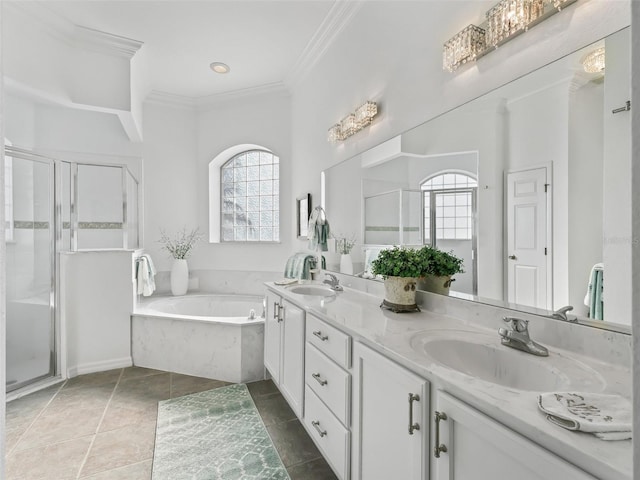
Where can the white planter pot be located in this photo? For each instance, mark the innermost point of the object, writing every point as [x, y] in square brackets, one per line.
[400, 294]
[346, 264]
[179, 276]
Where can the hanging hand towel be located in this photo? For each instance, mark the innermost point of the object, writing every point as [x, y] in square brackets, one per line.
[145, 275]
[319, 230]
[606, 416]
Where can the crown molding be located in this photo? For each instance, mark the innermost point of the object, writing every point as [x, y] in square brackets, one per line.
[208, 102]
[53, 24]
[337, 19]
[166, 99]
[74, 35]
[103, 42]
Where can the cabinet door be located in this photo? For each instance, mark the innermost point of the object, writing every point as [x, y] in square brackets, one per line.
[384, 446]
[272, 339]
[479, 447]
[292, 356]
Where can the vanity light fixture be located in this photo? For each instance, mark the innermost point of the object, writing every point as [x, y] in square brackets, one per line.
[220, 67]
[353, 122]
[594, 61]
[505, 20]
[463, 47]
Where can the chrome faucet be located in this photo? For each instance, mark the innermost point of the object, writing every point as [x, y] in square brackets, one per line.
[517, 336]
[561, 314]
[333, 282]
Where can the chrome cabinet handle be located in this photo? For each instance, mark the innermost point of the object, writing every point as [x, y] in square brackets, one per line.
[322, 337]
[316, 425]
[276, 311]
[318, 379]
[412, 426]
[280, 313]
[440, 447]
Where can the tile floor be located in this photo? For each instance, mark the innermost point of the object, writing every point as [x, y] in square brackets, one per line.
[102, 427]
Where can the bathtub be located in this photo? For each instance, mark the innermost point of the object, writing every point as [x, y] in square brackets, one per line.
[212, 336]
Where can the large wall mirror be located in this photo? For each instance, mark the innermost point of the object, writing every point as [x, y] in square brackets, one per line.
[530, 184]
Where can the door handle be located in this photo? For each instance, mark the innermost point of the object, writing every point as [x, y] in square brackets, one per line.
[440, 447]
[319, 379]
[512, 257]
[413, 426]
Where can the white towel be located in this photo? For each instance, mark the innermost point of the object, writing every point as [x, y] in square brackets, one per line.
[590, 286]
[609, 417]
[145, 275]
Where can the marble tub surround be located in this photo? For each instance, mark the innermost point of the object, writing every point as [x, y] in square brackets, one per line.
[358, 314]
[219, 281]
[225, 351]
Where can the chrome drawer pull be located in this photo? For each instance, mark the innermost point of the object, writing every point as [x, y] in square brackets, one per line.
[440, 447]
[412, 426]
[318, 379]
[316, 425]
[322, 337]
[276, 311]
[280, 313]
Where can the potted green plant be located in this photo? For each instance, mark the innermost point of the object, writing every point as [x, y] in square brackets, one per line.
[401, 267]
[438, 268]
[406, 270]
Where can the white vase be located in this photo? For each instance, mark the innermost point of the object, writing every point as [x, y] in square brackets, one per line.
[346, 264]
[179, 276]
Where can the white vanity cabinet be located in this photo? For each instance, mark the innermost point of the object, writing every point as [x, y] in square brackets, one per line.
[473, 445]
[390, 419]
[328, 393]
[284, 348]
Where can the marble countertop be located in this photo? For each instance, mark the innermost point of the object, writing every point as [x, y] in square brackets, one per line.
[391, 334]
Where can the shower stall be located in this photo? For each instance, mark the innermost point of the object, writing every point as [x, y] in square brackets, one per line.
[54, 206]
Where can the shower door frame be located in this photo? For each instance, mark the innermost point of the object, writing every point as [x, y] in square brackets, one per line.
[54, 218]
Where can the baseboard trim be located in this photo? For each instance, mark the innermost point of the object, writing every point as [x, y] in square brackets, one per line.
[94, 367]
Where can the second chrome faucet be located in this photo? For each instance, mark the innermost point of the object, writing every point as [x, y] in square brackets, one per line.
[517, 336]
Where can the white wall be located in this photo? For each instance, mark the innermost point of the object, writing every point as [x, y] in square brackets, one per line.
[586, 158]
[96, 301]
[3, 283]
[618, 239]
[180, 143]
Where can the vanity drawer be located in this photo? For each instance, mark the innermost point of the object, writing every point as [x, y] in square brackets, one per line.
[330, 382]
[328, 433]
[329, 340]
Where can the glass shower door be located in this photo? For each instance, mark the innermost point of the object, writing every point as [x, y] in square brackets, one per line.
[30, 243]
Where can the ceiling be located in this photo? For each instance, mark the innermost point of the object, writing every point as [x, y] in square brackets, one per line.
[266, 43]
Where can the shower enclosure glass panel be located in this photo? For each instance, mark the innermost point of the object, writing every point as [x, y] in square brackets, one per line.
[393, 218]
[132, 212]
[29, 271]
[100, 207]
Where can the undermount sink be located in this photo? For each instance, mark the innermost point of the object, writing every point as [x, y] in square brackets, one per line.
[312, 290]
[484, 357]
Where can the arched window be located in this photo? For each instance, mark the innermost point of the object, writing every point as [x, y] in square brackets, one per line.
[250, 197]
[449, 207]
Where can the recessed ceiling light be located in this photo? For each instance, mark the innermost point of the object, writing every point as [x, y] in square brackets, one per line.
[220, 67]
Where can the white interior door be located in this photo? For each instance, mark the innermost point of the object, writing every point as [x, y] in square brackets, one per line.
[527, 233]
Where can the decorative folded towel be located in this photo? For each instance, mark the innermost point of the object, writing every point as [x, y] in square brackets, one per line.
[299, 266]
[145, 275]
[606, 416]
[319, 230]
[594, 299]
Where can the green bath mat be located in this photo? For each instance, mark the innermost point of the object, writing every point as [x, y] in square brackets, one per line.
[217, 434]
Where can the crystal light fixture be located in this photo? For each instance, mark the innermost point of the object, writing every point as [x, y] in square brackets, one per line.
[463, 47]
[353, 123]
[511, 16]
[365, 113]
[504, 21]
[335, 134]
[594, 61]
